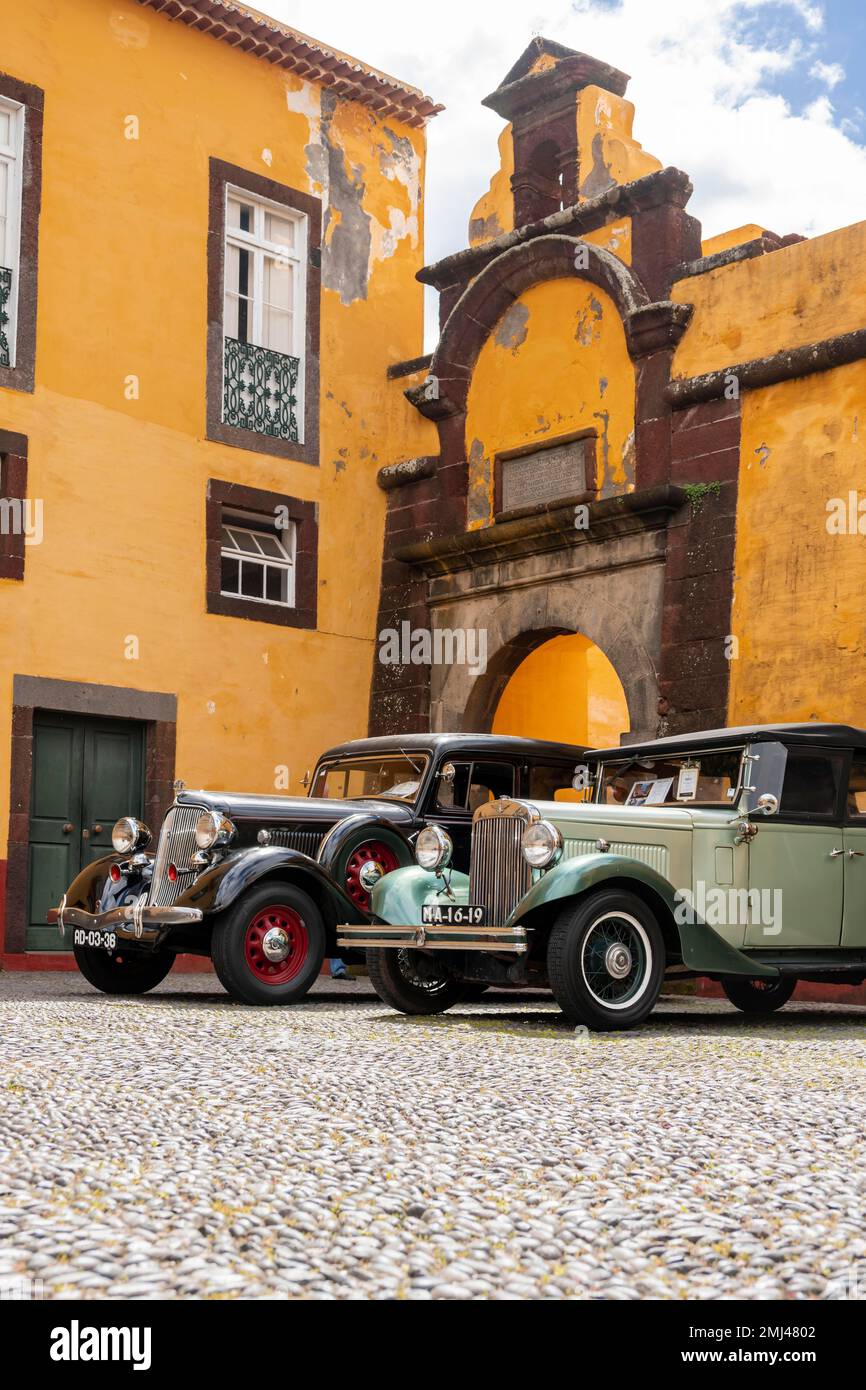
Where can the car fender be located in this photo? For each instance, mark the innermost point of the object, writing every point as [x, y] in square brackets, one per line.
[702, 948]
[220, 887]
[399, 897]
[341, 835]
[94, 883]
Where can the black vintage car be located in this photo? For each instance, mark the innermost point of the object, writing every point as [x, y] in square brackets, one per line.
[259, 883]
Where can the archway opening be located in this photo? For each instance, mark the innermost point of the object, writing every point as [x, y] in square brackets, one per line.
[566, 690]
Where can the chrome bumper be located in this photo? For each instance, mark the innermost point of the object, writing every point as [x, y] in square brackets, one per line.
[502, 939]
[135, 922]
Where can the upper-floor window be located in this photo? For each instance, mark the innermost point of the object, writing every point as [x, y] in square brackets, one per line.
[11, 147]
[264, 290]
[264, 318]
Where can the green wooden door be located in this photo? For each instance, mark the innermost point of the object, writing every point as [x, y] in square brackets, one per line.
[86, 774]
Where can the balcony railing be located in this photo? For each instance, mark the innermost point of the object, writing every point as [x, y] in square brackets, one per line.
[260, 390]
[5, 297]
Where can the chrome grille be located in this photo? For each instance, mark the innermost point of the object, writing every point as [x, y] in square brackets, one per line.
[307, 841]
[498, 873]
[176, 846]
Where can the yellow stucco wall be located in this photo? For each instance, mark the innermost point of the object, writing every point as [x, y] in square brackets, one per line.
[799, 589]
[609, 153]
[556, 364]
[122, 291]
[590, 705]
[737, 236]
[797, 295]
[493, 214]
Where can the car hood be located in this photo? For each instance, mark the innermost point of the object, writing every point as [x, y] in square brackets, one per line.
[292, 810]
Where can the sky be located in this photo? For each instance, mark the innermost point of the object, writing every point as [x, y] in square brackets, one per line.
[761, 102]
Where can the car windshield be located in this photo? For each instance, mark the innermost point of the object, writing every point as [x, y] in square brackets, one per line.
[694, 779]
[395, 778]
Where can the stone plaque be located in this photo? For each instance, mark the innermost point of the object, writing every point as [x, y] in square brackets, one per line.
[547, 475]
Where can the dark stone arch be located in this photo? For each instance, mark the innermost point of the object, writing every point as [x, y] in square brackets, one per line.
[481, 306]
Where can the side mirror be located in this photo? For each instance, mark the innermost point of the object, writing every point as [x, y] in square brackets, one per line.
[767, 805]
[447, 773]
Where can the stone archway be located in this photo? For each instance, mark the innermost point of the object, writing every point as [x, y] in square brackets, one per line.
[618, 610]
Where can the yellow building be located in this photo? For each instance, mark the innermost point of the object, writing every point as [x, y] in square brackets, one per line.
[210, 227]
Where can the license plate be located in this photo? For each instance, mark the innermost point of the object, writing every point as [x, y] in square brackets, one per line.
[452, 915]
[106, 939]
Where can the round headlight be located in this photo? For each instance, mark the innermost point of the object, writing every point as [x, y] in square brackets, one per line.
[213, 829]
[433, 849]
[542, 845]
[129, 835]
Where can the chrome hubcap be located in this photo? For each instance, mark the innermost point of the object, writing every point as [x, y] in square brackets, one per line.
[369, 875]
[276, 945]
[618, 961]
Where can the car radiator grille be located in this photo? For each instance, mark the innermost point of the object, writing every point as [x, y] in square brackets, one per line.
[307, 841]
[176, 846]
[498, 873]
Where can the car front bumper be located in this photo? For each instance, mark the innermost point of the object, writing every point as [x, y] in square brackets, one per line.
[135, 923]
[378, 934]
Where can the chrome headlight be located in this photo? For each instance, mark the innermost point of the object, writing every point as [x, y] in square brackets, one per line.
[433, 849]
[213, 829]
[542, 845]
[129, 835]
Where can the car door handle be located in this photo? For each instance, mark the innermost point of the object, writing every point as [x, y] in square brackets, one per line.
[836, 853]
[856, 853]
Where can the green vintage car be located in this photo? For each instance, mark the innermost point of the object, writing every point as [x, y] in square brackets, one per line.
[735, 854]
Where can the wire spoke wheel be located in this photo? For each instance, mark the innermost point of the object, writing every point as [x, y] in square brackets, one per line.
[423, 973]
[615, 960]
[276, 945]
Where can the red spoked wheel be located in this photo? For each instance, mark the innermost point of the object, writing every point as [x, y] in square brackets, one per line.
[373, 853]
[276, 945]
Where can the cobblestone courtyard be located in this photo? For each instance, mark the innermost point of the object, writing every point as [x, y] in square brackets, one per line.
[182, 1145]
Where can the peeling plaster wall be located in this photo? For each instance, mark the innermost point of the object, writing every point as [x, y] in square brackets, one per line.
[609, 154]
[556, 364]
[369, 176]
[798, 589]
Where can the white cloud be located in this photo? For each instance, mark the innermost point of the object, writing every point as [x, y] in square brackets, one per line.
[705, 77]
[831, 74]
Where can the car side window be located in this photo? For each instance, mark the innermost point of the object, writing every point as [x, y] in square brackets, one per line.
[552, 782]
[857, 787]
[474, 784]
[812, 780]
[451, 795]
[490, 781]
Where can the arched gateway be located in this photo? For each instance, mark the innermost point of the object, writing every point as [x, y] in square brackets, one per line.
[549, 500]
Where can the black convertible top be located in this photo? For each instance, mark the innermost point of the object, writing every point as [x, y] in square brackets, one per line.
[831, 735]
[456, 743]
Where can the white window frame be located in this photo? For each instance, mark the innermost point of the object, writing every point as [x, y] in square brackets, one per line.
[288, 539]
[13, 156]
[256, 243]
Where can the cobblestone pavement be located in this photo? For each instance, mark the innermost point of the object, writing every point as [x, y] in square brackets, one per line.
[182, 1145]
